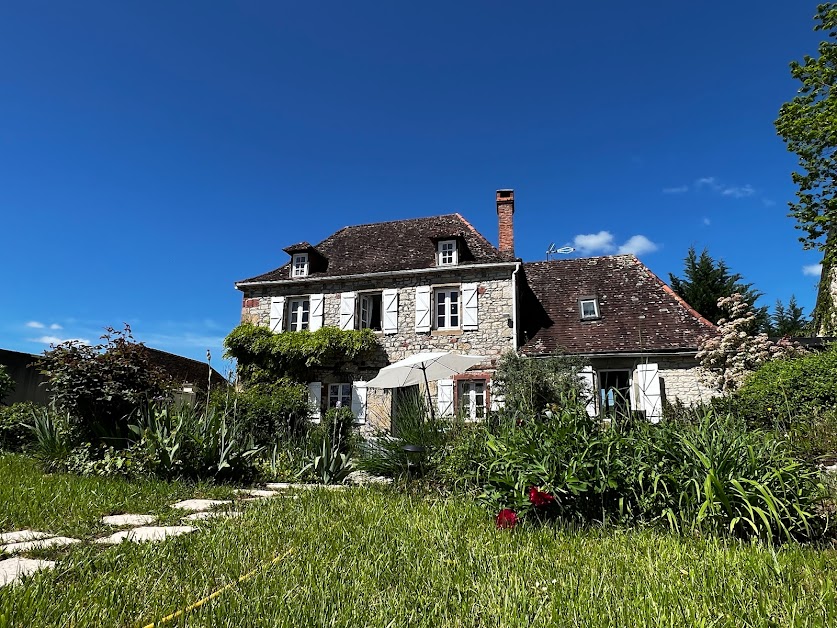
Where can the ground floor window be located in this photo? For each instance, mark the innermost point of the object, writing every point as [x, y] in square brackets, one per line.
[614, 392]
[339, 396]
[471, 396]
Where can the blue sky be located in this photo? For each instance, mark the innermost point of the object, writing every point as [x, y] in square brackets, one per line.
[153, 153]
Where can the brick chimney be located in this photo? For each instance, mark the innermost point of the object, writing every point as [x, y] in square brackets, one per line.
[505, 218]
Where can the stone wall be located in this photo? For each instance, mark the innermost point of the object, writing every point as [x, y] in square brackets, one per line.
[494, 337]
[681, 375]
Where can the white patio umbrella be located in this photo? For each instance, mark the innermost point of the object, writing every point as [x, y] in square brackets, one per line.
[423, 367]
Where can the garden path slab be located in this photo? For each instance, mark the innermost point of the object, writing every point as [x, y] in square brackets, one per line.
[256, 492]
[210, 514]
[128, 520]
[22, 535]
[281, 486]
[200, 504]
[146, 534]
[12, 569]
[25, 546]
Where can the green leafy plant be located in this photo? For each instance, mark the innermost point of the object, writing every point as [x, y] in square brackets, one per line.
[7, 384]
[52, 443]
[263, 356]
[330, 466]
[15, 434]
[101, 386]
[529, 385]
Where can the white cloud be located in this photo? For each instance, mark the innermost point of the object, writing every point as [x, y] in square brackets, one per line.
[736, 191]
[638, 245]
[812, 270]
[681, 189]
[601, 242]
[55, 326]
[706, 221]
[55, 340]
[35, 325]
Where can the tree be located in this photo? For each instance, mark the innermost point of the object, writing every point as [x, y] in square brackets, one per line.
[706, 281]
[7, 384]
[808, 125]
[790, 320]
[735, 351]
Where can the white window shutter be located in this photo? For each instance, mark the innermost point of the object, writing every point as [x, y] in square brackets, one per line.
[315, 320]
[390, 307]
[315, 398]
[277, 314]
[359, 400]
[648, 391]
[588, 379]
[469, 306]
[347, 310]
[422, 308]
[444, 396]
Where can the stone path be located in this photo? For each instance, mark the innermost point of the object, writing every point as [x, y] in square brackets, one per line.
[16, 567]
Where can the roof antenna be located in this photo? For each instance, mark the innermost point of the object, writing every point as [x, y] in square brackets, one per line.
[553, 251]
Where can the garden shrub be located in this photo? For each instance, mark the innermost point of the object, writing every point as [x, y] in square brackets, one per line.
[711, 475]
[7, 384]
[15, 435]
[783, 391]
[528, 385]
[101, 386]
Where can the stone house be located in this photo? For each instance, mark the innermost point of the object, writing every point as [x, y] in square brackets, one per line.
[436, 283]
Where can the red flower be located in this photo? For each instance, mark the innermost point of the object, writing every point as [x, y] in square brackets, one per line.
[540, 498]
[506, 519]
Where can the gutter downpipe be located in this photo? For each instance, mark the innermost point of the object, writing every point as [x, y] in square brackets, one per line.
[514, 305]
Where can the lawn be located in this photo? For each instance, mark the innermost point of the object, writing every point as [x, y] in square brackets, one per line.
[374, 557]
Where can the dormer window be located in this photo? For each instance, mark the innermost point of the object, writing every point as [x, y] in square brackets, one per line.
[448, 255]
[300, 265]
[589, 307]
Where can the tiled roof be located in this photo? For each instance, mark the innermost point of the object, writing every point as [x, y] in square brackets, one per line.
[638, 311]
[392, 246]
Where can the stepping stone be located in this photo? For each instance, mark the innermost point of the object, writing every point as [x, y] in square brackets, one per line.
[12, 569]
[128, 520]
[25, 546]
[200, 504]
[22, 535]
[210, 514]
[256, 492]
[146, 533]
[281, 486]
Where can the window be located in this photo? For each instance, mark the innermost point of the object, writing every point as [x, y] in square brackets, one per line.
[300, 265]
[589, 308]
[339, 396]
[614, 393]
[448, 254]
[370, 311]
[472, 399]
[299, 311]
[447, 308]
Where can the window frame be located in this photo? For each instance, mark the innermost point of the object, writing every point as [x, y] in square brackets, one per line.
[595, 302]
[340, 396]
[442, 252]
[299, 265]
[466, 391]
[448, 313]
[304, 307]
[362, 297]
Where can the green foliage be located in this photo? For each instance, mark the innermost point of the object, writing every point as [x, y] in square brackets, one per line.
[713, 476]
[52, 440]
[263, 356]
[529, 385]
[7, 384]
[268, 411]
[184, 441]
[15, 435]
[330, 465]
[789, 321]
[101, 386]
[706, 280]
[780, 391]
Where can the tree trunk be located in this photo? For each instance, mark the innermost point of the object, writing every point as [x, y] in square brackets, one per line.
[825, 312]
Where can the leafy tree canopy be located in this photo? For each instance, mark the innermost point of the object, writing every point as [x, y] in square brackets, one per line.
[789, 321]
[706, 280]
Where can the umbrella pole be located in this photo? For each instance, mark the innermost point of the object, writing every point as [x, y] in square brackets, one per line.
[429, 398]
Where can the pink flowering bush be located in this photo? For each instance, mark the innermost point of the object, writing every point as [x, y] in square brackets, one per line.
[735, 352]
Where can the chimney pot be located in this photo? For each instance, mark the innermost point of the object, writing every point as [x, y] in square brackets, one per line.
[505, 220]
